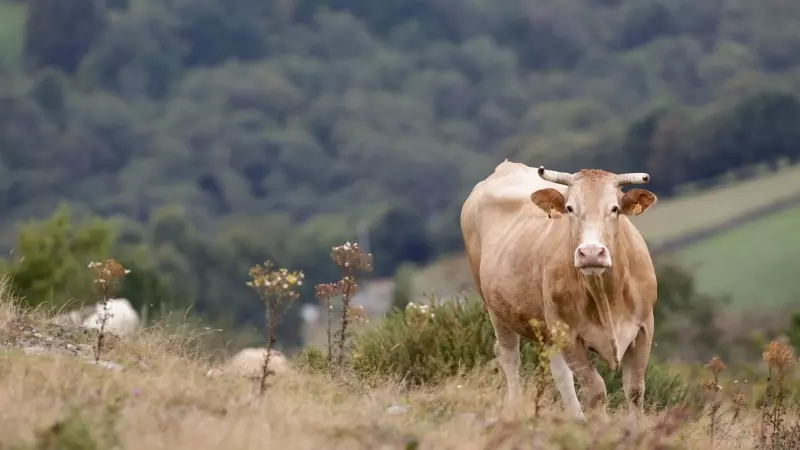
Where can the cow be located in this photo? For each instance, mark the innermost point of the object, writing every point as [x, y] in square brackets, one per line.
[560, 248]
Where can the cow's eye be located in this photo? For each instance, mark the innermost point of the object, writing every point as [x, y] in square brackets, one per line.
[569, 209]
[614, 209]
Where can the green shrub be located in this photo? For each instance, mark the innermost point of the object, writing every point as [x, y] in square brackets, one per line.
[311, 359]
[51, 255]
[401, 296]
[426, 344]
[49, 264]
[663, 388]
[72, 433]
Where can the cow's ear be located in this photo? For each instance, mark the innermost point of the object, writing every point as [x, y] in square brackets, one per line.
[550, 201]
[636, 201]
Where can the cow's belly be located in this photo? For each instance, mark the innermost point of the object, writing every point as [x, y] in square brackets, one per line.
[515, 309]
[625, 331]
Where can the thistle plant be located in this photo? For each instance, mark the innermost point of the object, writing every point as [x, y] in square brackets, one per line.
[278, 290]
[349, 258]
[108, 275]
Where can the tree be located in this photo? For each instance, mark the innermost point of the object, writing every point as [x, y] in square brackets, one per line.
[51, 256]
[403, 286]
[400, 236]
[793, 331]
[60, 32]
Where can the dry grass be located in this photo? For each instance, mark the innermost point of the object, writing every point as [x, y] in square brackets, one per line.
[9, 310]
[161, 399]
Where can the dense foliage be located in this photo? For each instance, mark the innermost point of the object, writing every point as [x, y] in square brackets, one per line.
[282, 127]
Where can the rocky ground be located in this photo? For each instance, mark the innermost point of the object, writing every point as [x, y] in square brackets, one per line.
[38, 337]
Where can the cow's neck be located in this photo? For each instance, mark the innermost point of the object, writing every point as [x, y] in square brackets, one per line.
[605, 291]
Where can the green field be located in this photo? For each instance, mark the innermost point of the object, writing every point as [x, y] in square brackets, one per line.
[760, 256]
[12, 24]
[695, 212]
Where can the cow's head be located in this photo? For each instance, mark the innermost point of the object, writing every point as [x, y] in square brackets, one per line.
[592, 204]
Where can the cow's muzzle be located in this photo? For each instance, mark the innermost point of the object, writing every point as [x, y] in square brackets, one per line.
[592, 258]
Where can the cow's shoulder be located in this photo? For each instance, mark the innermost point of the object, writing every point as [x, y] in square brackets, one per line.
[640, 267]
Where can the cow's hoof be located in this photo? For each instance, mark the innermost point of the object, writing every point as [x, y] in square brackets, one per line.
[580, 420]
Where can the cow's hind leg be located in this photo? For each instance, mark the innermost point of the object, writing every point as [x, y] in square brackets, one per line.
[506, 349]
[634, 367]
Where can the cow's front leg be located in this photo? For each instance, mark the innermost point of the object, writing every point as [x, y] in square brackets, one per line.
[506, 349]
[634, 367]
[591, 383]
[565, 383]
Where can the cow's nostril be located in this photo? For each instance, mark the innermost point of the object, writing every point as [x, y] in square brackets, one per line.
[601, 252]
[580, 253]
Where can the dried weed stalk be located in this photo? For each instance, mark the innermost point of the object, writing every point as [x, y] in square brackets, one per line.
[108, 275]
[349, 258]
[325, 293]
[712, 386]
[548, 343]
[659, 437]
[278, 290]
[780, 360]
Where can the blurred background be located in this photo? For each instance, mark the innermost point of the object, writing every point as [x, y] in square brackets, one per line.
[191, 139]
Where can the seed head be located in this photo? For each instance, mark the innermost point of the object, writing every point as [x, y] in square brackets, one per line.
[108, 273]
[357, 315]
[326, 291]
[280, 283]
[710, 386]
[716, 365]
[778, 355]
[350, 256]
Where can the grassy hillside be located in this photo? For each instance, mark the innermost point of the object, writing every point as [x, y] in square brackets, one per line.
[756, 263]
[729, 260]
[151, 392]
[692, 213]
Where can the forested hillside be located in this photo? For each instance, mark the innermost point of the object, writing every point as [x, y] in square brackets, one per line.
[220, 133]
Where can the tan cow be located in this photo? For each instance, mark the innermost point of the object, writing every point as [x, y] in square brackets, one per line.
[555, 246]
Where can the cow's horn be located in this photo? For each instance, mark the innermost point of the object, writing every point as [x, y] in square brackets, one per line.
[555, 177]
[624, 179]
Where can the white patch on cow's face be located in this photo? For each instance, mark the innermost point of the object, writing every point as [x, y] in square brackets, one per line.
[593, 209]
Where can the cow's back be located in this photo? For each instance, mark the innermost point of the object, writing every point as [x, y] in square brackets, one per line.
[495, 201]
[502, 227]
